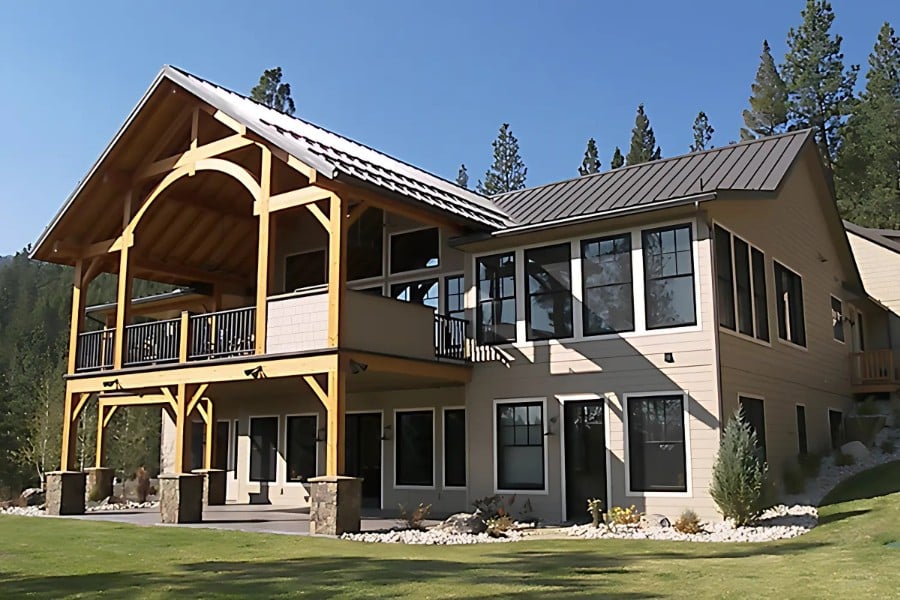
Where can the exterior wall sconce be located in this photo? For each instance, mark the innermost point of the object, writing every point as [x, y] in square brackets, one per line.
[321, 434]
[256, 372]
[550, 424]
[386, 433]
[669, 357]
[357, 367]
[112, 383]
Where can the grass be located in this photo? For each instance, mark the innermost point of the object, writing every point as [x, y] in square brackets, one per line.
[843, 557]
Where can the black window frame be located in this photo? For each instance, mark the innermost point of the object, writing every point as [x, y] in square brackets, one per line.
[254, 474]
[802, 439]
[750, 418]
[455, 475]
[587, 256]
[789, 291]
[638, 478]
[457, 298]
[559, 292]
[492, 302]
[651, 279]
[501, 483]
[305, 285]
[760, 293]
[372, 250]
[431, 282]
[837, 320]
[743, 288]
[402, 478]
[725, 278]
[741, 292]
[309, 441]
[396, 253]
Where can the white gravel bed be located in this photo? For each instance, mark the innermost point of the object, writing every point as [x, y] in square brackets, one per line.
[24, 511]
[428, 537]
[40, 511]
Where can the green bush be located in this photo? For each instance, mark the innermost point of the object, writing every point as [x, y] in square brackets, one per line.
[794, 479]
[843, 460]
[688, 522]
[888, 446]
[738, 476]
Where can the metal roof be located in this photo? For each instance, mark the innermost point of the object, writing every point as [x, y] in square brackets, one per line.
[754, 166]
[886, 238]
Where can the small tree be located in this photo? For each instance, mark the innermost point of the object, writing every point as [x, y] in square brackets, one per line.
[274, 94]
[703, 133]
[738, 475]
[462, 177]
[507, 172]
[591, 162]
[617, 159]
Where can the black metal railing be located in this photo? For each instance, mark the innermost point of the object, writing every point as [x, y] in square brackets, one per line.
[222, 334]
[450, 337]
[152, 343]
[95, 350]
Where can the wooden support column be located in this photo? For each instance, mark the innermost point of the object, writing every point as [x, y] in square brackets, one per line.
[101, 441]
[210, 449]
[67, 458]
[262, 252]
[78, 304]
[182, 429]
[183, 340]
[123, 295]
[337, 268]
[336, 420]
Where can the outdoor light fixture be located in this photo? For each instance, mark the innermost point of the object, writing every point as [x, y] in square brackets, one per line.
[386, 434]
[549, 432]
[669, 357]
[357, 367]
[256, 372]
[111, 383]
[320, 434]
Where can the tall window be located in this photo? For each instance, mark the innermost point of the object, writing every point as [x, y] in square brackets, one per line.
[415, 448]
[415, 250]
[455, 447]
[548, 306]
[263, 448]
[741, 288]
[802, 447]
[725, 278]
[220, 460]
[419, 292]
[496, 313]
[520, 446]
[608, 305]
[305, 269]
[454, 297]
[760, 298]
[365, 243]
[789, 294]
[755, 416]
[669, 277]
[301, 447]
[837, 318]
[656, 453]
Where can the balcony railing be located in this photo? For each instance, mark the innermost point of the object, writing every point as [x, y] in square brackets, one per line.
[222, 334]
[450, 339]
[873, 366]
[95, 350]
[156, 342]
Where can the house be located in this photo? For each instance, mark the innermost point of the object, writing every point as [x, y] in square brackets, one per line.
[343, 312]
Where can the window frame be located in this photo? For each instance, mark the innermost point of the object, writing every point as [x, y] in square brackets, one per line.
[381, 275]
[276, 469]
[688, 462]
[802, 449]
[389, 273]
[496, 446]
[843, 318]
[287, 290]
[286, 461]
[689, 225]
[396, 448]
[444, 411]
[755, 309]
[528, 294]
[580, 244]
[842, 428]
[515, 297]
[765, 442]
[779, 303]
[445, 294]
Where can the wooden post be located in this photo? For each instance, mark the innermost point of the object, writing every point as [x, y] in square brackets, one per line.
[67, 458]
[262, 252]
[123, 306]
[337, 417]
[101, 442]
[78, 301]
[183, 341]
[337, 267]
[182, 430]
[210, 449]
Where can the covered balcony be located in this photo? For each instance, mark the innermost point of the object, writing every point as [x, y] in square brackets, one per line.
[874, 371]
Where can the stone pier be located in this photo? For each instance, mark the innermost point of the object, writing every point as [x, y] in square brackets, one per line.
[334, 505]
[181, 498]
[99, 483]
[214, 482]
[65, 492]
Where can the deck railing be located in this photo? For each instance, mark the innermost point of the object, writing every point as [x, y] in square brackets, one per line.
[152, 343]
[222, 334]
[873, 366]
[450, 339]
[95, 350]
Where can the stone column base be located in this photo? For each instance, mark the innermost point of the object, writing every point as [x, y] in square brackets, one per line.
[65, 492]
[181, 497]
[334, 505]
[214, 481]
[99, 483]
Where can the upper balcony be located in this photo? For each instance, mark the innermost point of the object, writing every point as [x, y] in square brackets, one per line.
[874, 371]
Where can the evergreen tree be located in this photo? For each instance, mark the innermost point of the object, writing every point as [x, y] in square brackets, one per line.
[271, 92]
[507, 171]
[820, 89]
[591, 162]
[738, 475]
[702, 133]
[617, 159]
[767, 114]
[462, 177]
[643, 141]
[868, 167]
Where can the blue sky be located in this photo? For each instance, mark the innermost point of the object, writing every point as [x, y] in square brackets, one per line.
[428, 82]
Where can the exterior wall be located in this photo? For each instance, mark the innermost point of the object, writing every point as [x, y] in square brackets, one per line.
[297, 322]
[880, 270]
[389, 326]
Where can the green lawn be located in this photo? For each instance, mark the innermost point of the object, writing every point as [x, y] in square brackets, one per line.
[843, 558]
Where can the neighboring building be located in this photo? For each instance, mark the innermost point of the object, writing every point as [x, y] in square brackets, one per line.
[586, 338]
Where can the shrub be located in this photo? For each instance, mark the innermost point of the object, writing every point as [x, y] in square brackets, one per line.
[738, 475]
[868, 407]
[595, 509]
[794, 479]
[95, 495]
[143, 484]
[624, 516]
[413, 519]
[688, 522]
[810, 464]
[498, 526]
[888, 446]
[843, 460]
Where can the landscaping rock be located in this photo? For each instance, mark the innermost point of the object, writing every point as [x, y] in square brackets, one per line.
[431, 537]
[654, 520]
[856, 449]
[33, 496]
[462, 523]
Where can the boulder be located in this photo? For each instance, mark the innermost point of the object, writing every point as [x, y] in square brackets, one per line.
[855, 449]
[33, 496]
[463, 523]
[653, 520]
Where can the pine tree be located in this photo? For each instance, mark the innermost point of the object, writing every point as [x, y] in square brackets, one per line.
[868, 167]
[274, 94]
[703, 132]
[617, 159]
[462, 177]
[507, 172]
[767, 114]
[591, 162]
[738, 474]
[820, 90]
[643, 141]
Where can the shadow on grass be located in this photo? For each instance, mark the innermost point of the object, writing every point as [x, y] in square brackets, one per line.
[840, 516]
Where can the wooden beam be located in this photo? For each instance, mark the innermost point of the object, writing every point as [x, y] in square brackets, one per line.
[166, 138]
[317, 390]
[356, 212]
[188, 273]
[320, 216]
[109, 414]
[67, 455]
[336, 420]
[262, 250]
[292, 161]
[94, 269]
[196, 396]
[455, 373]
[210, 449]
[183, 339]
[182, 430]
[173, 401]
[163, 398]
[100, 450]
[190, 157]
[79, 405]
[337, 268]
[77, 317]
[300, 197]
[123, 305]
[77, 250]
[225, 119]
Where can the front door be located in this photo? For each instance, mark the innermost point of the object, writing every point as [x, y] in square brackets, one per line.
[585, 461]
[362, 454]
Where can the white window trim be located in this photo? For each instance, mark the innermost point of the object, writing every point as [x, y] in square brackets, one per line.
[563, 398]
[544, 421]
[688, 467]
[417, 273]
[751, 247]
[779, 301]
[397, 412]
[380, 413]
[284, 262]
[444, 410]
[277, 480]
[287, 482]
[843, 342]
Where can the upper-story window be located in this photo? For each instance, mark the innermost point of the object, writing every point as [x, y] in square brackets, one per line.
[454, 297]
[419, 292]
[741, 278]
[789, 295]
[496, 311]
[305, 269]
[608, 305]
[365, 244]
[415, 250]
[669, 277]
[837, 318]
[548, 307]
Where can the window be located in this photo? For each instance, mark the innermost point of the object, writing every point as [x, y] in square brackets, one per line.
[419, 292]
[454, 297]
[236, 437]
[301, 447]
[789, 293]
[415, 250]
[548, 306]
[365, 243]
[755, 416]
[861, 331]
[760, 298]
[836, 428]
[455, 447]
[306, 269]
[520, 446]
[220, 460]
[802, 447]
[837, 318]
[263, 448]
[669, 277]
[725, 278]
[741, 289]
[496, 311]
[608, 306]
[743, 292]
[656, 453]
[415, 448]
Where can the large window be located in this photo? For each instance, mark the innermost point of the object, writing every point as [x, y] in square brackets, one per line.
[415, 448]
[305, 269]
[656, 452]
[789, 295]
[220, 460]
[415, 250]
[725, 278]
[301, 447]
[548, 306]
[365, 243]
[669, 277]
[760, 297]
[608, 306]
[802, 446]
[754, 413]
[263, 448]
[419, 292]
[454, 297]
[837, 318]
[520, 446]
[741, 289]
[496, 313]
[455, 447]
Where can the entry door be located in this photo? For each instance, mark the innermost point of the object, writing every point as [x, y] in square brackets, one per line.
[362, 454]
[585, 462]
